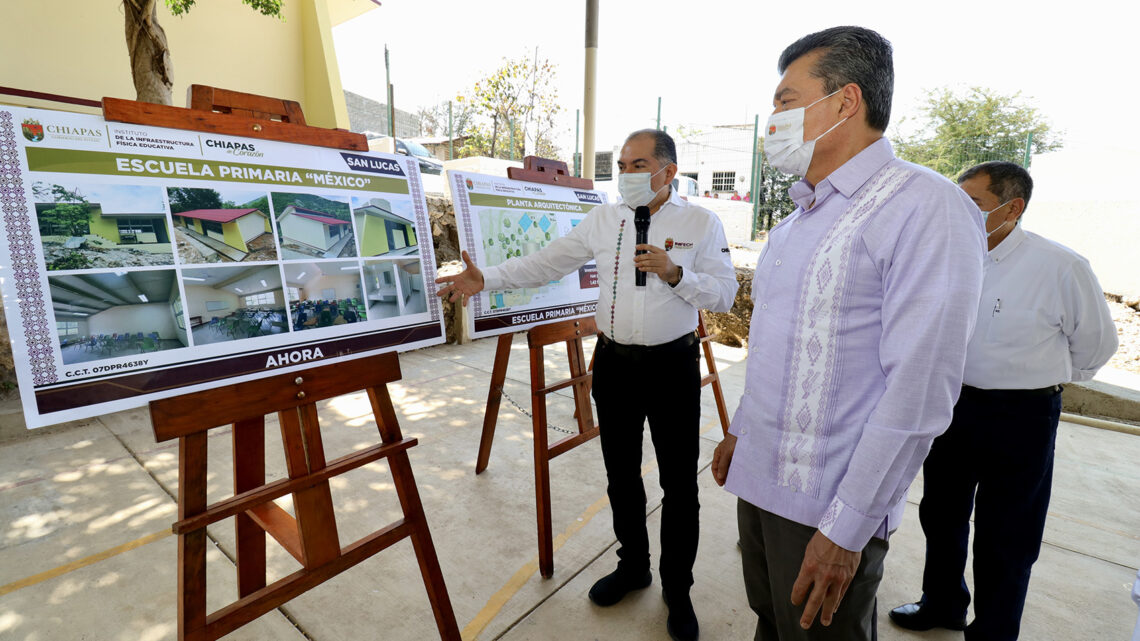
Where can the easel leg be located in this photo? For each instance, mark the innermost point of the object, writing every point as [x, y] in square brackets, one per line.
[541, 464]
[316, 521]
[249, 473]
[494, 396]
[582, 411]
[714, 376]
[409, 495]
[590, 368]
[192, 545]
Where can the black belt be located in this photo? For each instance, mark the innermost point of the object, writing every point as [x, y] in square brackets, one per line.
[1012, 393]
[684, 341]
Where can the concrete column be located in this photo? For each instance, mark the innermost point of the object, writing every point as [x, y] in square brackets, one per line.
[589, 96]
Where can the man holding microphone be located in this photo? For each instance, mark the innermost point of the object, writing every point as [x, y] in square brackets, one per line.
[647, 356]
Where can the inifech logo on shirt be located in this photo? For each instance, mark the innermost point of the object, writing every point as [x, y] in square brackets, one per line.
[668, 244]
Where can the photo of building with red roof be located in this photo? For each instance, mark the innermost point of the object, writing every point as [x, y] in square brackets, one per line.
[307, 233]
[209, 227]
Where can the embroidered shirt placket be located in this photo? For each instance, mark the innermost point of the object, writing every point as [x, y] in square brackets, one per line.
[809, 394]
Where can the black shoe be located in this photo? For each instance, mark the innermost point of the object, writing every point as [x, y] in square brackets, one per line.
[613, 587]
[919, 616]
[682, 622]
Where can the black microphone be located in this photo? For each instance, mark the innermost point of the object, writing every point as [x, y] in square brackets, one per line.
[641, 222]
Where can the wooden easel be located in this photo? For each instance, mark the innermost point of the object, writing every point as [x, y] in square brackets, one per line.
[571, 332]
[310, 537]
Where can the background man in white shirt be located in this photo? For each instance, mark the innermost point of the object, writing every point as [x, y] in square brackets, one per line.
[646, 360]
[1042, 321]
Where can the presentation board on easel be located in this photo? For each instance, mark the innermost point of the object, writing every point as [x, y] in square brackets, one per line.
[500, 218]
[139, 262]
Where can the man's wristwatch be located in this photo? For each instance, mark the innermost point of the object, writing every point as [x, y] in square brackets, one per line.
[680, 273]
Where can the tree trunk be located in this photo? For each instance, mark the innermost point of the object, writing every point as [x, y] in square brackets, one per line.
[150, 57]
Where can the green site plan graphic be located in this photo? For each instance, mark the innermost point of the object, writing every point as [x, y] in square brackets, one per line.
[510, 233]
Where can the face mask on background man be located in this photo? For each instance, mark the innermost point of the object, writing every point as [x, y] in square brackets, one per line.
[785, 146]
[986, 218]
[635, 189]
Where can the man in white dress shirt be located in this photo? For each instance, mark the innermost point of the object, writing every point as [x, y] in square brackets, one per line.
[1042, 322]
[646, 360]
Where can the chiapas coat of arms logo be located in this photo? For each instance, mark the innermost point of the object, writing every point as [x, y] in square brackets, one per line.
[33, 130]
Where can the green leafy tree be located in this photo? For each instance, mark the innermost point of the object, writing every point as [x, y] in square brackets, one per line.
[151, 68]
[74, 217]
[433, 119]
[519, 94]
[956, 132]
[189, 198]
[772, 200]
[71, 212]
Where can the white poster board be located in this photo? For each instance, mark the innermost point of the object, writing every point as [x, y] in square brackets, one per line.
[140, 262]
[498, 219]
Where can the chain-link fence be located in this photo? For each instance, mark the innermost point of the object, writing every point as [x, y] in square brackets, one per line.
[953, 157]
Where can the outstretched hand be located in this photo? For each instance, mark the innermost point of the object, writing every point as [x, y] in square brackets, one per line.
[463, 285]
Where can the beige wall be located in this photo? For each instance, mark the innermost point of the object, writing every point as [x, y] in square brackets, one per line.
[346, 286]
[131, 319]
[196, 297]
[224, 44]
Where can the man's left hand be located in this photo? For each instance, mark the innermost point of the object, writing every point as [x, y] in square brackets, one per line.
[827, 571]
[656, 261]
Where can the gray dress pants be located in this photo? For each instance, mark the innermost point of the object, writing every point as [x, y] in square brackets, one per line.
[773, 550]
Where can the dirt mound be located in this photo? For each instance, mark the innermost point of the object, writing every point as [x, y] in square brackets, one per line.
[731, 327]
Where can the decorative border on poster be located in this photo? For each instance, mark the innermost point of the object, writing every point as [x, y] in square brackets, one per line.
[423, 230]
[460, 196]
[21, 248]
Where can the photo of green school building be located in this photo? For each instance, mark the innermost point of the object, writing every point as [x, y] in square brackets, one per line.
[384, 230]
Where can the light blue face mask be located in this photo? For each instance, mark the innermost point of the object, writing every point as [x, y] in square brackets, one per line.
[986, 217]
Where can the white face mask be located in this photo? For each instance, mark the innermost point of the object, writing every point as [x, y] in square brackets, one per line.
[785, 146]
[986, 218]
[635, 189]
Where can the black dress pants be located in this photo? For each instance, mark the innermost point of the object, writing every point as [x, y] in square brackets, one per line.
[996, 459]
[662, 384]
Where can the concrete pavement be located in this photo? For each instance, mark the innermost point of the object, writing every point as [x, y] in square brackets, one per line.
[86, 553]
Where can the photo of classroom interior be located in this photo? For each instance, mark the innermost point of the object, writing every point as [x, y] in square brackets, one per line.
[395, 288]
[108, 315]
[234, 303]
[324, 294]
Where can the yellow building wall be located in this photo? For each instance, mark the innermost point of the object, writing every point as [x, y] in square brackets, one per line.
[373, 240]
[106, 227]
[231, 233]
[198, 226]
[224, 44]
